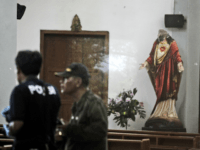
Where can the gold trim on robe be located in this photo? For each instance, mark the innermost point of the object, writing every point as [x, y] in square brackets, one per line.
[159, 56]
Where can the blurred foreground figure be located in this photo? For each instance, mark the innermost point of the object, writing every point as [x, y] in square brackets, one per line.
[34, 106]
[87, 129]
[164, 66]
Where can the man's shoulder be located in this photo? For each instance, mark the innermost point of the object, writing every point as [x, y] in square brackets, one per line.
[93, 98]
[21, 90]
[20, 87]
[28, 85]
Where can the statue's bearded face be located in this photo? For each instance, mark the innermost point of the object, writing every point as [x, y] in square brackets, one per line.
[163, 45]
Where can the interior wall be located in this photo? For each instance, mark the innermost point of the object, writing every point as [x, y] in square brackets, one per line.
[133, 27]
[189, 37]
[8, 31]
[192, 97]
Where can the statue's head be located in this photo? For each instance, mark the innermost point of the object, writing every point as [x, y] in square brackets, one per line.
[162, 35]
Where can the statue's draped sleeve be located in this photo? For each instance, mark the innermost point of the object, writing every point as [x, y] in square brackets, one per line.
[174, 49]
[151, 55]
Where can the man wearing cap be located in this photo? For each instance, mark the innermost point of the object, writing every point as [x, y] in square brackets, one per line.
[165, 66]
[87, 129]
[34, 106]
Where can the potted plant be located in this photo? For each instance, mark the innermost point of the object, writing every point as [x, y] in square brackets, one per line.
[125, 107]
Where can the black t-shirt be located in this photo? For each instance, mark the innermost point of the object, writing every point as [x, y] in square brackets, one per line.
[36, 104]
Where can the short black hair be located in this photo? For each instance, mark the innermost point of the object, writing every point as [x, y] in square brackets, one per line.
[29, 62]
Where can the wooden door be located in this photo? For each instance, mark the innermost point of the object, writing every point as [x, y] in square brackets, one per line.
[60, 48]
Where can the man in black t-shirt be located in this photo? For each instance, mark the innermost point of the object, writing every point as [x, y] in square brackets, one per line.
[34, 105]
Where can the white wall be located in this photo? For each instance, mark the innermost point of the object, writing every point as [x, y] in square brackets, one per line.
[133, 26]
[8, 30]
[189, 37]
[192, 82]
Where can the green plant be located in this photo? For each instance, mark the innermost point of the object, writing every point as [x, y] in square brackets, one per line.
[124, 107]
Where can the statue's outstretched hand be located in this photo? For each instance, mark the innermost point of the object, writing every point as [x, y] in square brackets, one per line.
[143, 65]
[180, 67]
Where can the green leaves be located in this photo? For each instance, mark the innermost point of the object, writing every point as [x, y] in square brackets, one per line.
[124, 107]
[133, 117]
[134, 91]
[120, 94]
[134, 103]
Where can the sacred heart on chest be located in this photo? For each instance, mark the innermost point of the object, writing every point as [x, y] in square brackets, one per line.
[162, 49]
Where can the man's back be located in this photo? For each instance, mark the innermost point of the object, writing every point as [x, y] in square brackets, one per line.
[36, 104]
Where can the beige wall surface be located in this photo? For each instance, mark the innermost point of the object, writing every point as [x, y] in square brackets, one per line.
[8, 35]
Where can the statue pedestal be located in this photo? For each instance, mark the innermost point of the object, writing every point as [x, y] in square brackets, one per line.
[164, 124]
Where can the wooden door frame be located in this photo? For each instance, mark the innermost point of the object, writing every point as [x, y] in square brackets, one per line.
[67, 32]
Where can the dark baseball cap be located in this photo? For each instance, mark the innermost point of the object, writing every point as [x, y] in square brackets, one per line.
[75, 69]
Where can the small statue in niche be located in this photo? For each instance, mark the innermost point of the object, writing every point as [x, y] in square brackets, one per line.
[76, 24]
[164, 66]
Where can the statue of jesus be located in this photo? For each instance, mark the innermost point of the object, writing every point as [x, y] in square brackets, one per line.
[164, 66]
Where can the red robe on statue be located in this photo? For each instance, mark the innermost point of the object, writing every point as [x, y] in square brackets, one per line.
[164, 72]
